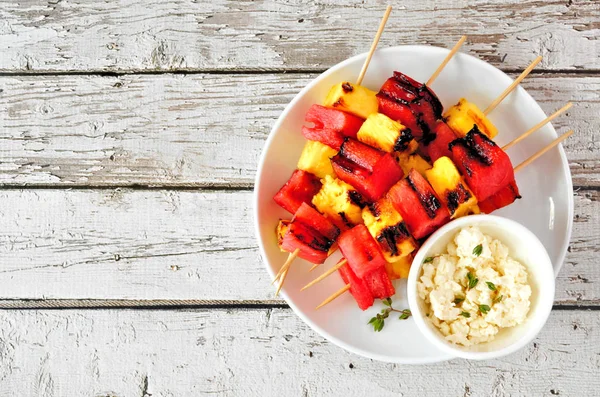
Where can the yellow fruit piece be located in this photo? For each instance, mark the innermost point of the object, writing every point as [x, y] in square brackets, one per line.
[452, 189]
[388, 135]
[335, 201]
[282, 228]
[462, 116]
[352, 98]
[386, 226]
[316, 159]
[400, 268]
[408, 162]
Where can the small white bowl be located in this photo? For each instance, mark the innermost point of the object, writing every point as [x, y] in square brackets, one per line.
[523, 246]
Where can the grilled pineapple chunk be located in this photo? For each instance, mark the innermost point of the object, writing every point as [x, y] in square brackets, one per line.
[316, 159]
[452, 189]
[339, 202]
[385, 134]
[462, 116]
[386, 226]
[408, 162]
[352, 98]
[400, 268]
[282, 228]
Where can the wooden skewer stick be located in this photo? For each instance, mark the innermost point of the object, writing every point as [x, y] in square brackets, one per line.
[538, 126]
[512, 86]
[324, 275]
[283, 276]
[544, 150]
[363, 71]
[333, 296]
[287, 264]
[446, 60]
[314, 267]
[359, 80]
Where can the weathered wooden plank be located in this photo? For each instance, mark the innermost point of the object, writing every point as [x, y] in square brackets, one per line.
[195, 130]
[229, 35]
[264, 352]
[179, 245]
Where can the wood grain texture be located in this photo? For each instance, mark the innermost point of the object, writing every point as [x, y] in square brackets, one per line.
[179, 245]
[264, 352]
[43, 36]
[196, 130]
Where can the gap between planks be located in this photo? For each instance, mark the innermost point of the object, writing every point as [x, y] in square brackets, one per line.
[255, 71]
[192, 304]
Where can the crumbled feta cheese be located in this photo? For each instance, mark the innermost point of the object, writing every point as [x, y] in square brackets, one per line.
[457, 310]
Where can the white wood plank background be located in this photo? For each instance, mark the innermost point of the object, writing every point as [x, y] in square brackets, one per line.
[180, 130]
[286, 35]
[260, 352]
[125, 179]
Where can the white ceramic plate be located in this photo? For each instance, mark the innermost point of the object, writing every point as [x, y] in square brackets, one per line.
[546, 207]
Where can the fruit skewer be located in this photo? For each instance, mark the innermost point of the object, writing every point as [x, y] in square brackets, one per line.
[281, 275]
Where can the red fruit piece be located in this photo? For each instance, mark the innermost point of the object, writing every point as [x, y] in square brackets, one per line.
[421, 209]
[330, 126]
[361, 154]
[435, 145]
[505, 196]
[313, 246]
[358, 288]
[315, 220]
[424, 92]
[401, 113]
[361, 251]
[370, 171]
[484, 165]
[380, 284]
[300, 188]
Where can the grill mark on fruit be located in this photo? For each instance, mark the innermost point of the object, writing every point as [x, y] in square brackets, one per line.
[357, 198]
[342, 162]
[457, 197]
[391, 236]
[337, 103]
[475, 149]
[429, 202]
[345, 219]
[403, 140]
[374, 209]
[347, 87]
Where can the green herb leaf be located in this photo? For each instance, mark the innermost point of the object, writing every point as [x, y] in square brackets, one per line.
[465, 314]
[491, 285]
[484, 308]
[387, 302]
[372, 320]
[472, 280]
[406, 313]
[458, 301]
[428, 259]
[477, 250]
[498, 298]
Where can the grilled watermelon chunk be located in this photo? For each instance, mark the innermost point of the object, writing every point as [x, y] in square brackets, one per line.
[300, 188]
[435, 145]
[313, 246]
[361, 251]
[330, 126]
[484, 165]
[358, 287]
[419, 206]
[379, 283]
[314, 219]
[400, 112]
[370, 171]
[505, 196]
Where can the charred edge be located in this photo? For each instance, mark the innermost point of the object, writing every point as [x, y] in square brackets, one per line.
[457, 197]
[374, 209]
[515, 190]
[317, 244]
[429, 202]
[347, 87]
[338, 103]
[343, 147]
[345, 219]
[433, 100]
[423, 125]
[475, 149]
[342, 162]
[403, 140]
[392, 235]
[357, 198]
